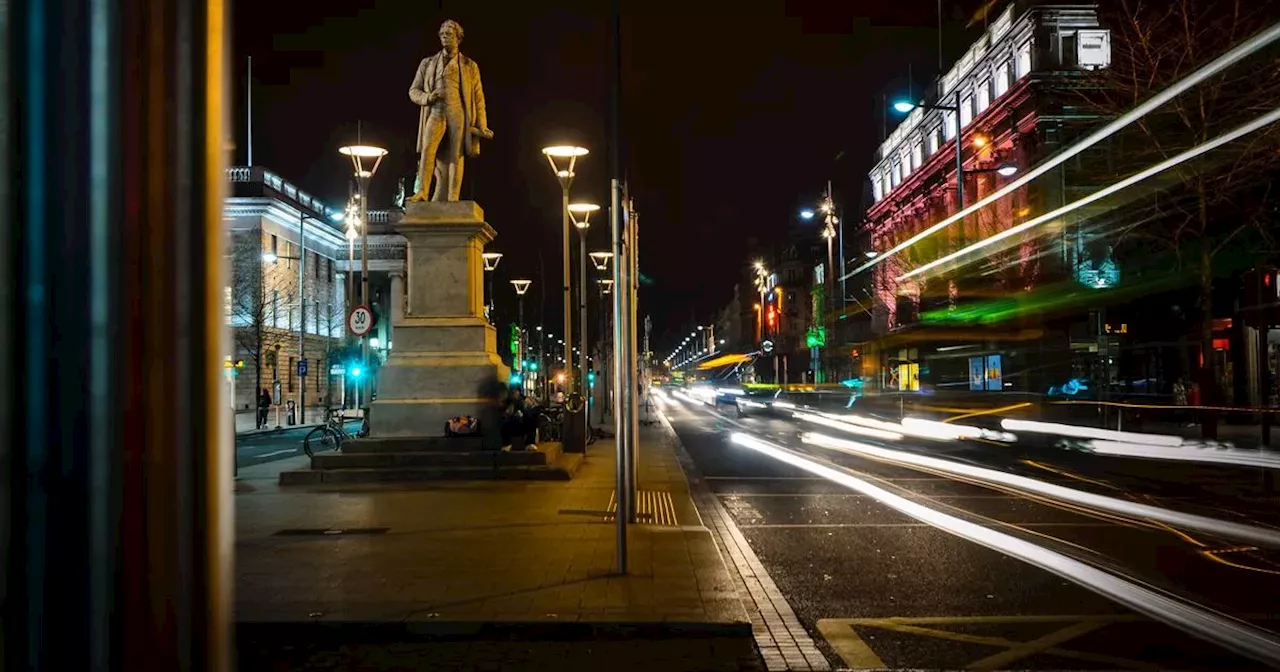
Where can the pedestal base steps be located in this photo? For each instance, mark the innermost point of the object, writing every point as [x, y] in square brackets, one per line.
[408, 459]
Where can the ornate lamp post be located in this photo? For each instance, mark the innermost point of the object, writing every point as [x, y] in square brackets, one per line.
[580, 213]
[365, 160]
[563, 158]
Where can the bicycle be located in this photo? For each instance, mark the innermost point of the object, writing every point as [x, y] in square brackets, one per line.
[320, 438]
[549, 423]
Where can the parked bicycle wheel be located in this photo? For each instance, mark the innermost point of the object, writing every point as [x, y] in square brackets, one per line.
[320, 439]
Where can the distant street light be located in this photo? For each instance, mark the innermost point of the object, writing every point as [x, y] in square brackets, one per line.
[806, 214]
[581, 213]
[490, 261]
[601, 260]
[521, 286]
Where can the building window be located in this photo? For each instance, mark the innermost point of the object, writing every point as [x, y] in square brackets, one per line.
[906, 162]
[917, 153]
[966, 110]
[877, 190]
[290, 374]
[317, 318]
[949, 124]
[933, 140]
[984, 95]
[316, 259]
[329, 266]
[275, 244]
[1024, 59]
[897, 174]
[1002, 79]
[886, 186]
[275, 308]
[289, 310]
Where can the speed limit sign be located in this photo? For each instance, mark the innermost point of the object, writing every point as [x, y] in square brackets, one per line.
[360, 320]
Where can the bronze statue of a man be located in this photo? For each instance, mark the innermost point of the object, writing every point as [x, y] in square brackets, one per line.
[447, 87]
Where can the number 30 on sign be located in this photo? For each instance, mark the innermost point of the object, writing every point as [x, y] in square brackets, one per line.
[360, 320]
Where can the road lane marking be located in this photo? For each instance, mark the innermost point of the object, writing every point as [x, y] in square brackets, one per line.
[278, 452]
[853, 495]
[857, 654]
[1243, 637]
[827, 525]
[848, 645]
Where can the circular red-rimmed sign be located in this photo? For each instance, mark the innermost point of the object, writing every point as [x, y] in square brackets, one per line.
[360, 320]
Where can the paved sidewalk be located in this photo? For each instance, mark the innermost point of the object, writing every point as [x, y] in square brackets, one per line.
[245, 420]
[436, 575]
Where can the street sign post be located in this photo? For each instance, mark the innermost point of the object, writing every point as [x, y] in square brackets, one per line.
[360, 320]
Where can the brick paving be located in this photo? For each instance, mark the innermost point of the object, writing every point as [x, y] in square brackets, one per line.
[782, 640]
[458, 559]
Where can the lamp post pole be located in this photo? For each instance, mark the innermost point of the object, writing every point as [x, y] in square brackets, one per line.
[358, 154]
[570, 155]
[567, 291]
[302, 315]
[364, 289]
[521, 286]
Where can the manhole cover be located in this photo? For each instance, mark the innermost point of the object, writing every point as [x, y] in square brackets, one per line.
[331, 531]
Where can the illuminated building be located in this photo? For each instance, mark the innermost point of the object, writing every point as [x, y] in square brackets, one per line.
[1007, 95]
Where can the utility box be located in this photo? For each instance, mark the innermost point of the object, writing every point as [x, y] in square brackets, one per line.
[573, 431]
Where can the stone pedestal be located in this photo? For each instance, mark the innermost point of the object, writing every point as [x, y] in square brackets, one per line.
[445, 361]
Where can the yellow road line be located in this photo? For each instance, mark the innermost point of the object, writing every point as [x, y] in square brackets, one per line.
[989, 411]
[848, 645]
[1037, 645]
[855, 652]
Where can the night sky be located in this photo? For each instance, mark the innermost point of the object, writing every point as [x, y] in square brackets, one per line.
[732, 116]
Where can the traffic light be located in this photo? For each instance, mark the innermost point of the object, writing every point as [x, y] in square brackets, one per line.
[533, 366]
[516, 379]
[591, 378]
[355, 371]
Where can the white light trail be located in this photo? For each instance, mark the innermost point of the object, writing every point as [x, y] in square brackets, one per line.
[1264, 120]
[1080, 432]
[851, 428]
[1253, 534]
[1243, 637]
[1190, 453]
[1210, 69]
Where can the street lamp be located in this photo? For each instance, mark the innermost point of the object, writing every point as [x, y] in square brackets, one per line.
[365, 160]
[490, 260]
[521, 286]
[601, 260]
[580, 213]
[563, 159]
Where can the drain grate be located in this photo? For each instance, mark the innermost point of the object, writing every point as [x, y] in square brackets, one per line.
[654, 507]
[331, 531]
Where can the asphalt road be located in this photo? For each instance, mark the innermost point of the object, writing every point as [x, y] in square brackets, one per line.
[877, 587]
[267, 446]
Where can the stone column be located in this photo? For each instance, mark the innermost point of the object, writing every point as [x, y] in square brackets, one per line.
[445, 360]
[397, 303]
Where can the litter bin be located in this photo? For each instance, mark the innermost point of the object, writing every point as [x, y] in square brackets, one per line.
[573, 430]
[291, 413]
